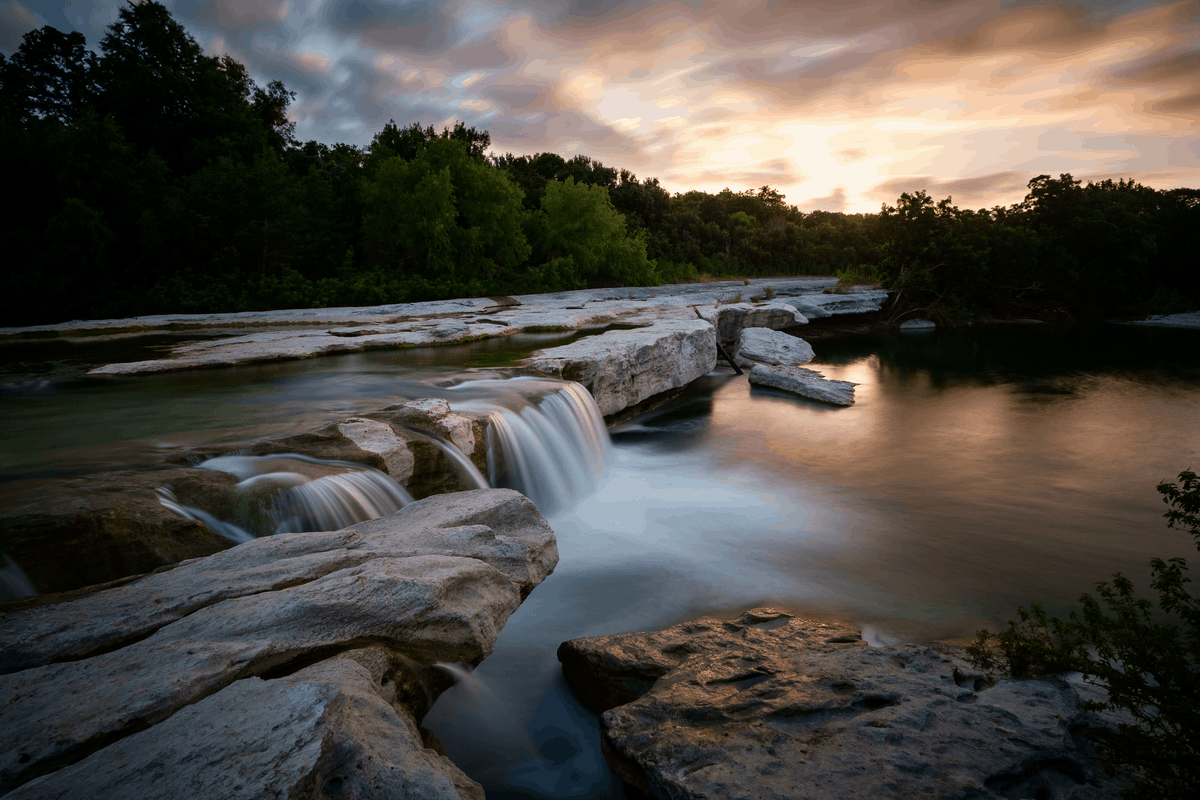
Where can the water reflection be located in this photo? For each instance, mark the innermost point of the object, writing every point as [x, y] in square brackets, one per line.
[966, 480]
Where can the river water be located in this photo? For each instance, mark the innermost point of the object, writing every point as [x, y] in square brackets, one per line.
[978, 470]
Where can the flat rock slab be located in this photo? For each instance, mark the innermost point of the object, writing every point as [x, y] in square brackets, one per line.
[621, 368]
[340, 738]
[804, 382]
[769, 706]
[765, 346]
[435, 582]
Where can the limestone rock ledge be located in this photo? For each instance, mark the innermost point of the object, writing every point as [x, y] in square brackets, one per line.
[293, 665]
[773, 707]
[622, 368]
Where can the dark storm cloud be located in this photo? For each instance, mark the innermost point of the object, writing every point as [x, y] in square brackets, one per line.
[234, 14]
[411, 24]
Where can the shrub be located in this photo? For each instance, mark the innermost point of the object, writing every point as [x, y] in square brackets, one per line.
[1145, 654]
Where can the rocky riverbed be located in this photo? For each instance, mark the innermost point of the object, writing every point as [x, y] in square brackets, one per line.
[293, 665]
[658, 344]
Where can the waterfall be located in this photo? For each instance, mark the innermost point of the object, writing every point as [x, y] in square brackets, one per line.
[546, 439]
[291, 493]
[467, 471]
[13, 581]
[227, 529]
[333, 502]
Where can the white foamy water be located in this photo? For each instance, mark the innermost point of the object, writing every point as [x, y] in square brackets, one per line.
[552, 448]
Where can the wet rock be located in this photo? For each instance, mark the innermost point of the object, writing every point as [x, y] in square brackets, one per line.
[344, 739]
[917, 325]
[400, 450]
[770, 706]
[804, 382]
[468, 432]
[622, 368]
[74, 532]
[730, 320]
[420, 585]
[499, 527]
[766, 346]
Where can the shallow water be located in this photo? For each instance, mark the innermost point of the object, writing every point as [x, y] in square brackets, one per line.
[978, 471]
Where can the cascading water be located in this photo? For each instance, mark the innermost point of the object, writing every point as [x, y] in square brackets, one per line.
[546, 439]
[227, 529]
[332, 502]
[291, 493]
[14, 582]
[551, 449]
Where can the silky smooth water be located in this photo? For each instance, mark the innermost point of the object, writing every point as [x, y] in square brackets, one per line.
[977, 471]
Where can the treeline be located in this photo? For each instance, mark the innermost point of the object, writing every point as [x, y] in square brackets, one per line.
[151, 178]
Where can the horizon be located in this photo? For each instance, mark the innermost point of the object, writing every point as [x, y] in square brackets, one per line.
[838, 106]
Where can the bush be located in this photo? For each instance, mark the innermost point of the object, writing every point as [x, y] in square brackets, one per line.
[1145, 654]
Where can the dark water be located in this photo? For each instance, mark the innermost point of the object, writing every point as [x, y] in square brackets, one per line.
[57, 421]
[978, 471]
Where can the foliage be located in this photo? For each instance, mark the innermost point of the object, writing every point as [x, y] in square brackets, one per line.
[1144, 653]
[153, 178]
[583, 239]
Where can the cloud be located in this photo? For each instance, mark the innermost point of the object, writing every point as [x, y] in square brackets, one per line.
[869, 97]
[16, 20]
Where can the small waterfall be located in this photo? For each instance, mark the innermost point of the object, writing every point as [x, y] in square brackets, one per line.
[227, 529]
[294, 493]
[467, 472]
[333, 502]
[550, 448]
[14, 582]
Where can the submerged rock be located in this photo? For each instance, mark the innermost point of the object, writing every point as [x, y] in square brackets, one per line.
[434, 582]
[765, 346]
[770, 706]
[804, 382]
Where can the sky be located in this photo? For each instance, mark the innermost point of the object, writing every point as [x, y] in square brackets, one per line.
[841, 105]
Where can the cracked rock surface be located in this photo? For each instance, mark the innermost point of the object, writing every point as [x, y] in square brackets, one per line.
[126, 684]
[772, 706]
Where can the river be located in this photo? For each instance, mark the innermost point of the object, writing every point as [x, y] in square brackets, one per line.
[977, 471]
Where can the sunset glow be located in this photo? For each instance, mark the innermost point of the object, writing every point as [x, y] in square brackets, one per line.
[839, 105]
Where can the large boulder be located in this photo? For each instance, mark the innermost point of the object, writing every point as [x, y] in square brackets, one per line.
[765, 346]
[433, 583]
[770, 706]
[804, 382]
[74, 532]
[622, 368]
